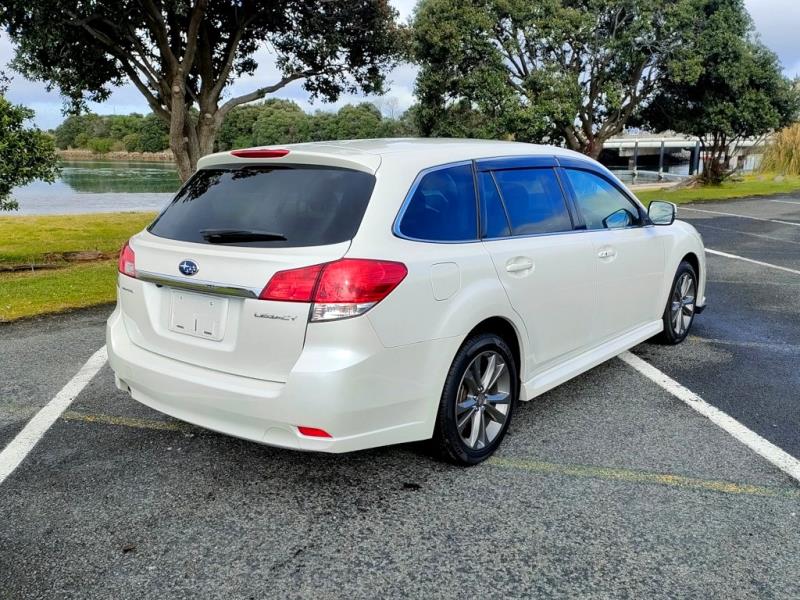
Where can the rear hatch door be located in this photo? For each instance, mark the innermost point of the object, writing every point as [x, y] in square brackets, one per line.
[202, 264]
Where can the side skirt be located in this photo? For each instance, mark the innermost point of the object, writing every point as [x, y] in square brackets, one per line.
[557, 375]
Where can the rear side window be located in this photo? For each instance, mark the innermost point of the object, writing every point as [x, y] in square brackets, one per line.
[534, 201]
[443, 207]
[494, 220]
[268, 207]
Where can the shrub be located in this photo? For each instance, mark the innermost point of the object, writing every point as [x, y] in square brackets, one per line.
[100, 145]
[133, 142]
[783, 152]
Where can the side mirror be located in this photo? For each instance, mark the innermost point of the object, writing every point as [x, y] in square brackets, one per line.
[662, 213]
[619, 219]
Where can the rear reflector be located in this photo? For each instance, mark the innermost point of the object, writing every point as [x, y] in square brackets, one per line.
[344, 288]
[127, 261]
[314, 432]
[260, 153]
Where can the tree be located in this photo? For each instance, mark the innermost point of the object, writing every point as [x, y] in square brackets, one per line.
[26, 153]
[551, 70]
[358, 122]
[280, 122]
[183, 54]
[237, 128]
[725, 87]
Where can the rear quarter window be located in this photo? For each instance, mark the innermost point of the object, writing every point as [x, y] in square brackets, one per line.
[301, 205]
[442, 207]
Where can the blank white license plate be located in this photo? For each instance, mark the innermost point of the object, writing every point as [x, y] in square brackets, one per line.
[198, 315]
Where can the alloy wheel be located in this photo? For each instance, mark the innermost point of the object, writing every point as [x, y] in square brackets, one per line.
[484, 400]
[683, 304]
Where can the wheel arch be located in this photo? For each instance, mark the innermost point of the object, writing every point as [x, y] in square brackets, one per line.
[692, 259]
[505, 329]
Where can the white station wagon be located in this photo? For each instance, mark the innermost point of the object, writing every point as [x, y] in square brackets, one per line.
[345, 295]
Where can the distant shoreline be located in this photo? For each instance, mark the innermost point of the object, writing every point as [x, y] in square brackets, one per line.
[80, 154]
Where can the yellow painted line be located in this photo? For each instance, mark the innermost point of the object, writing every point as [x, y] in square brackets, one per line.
[127, 422]
[645, 477]
[525, 464]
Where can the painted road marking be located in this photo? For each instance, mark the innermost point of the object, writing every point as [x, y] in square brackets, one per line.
[783, 460]
[750, 260]
[526, 464]
[24, 442]
[135, 423]
[758, 235]
[714, 212]
[785, 202]
[636, 476]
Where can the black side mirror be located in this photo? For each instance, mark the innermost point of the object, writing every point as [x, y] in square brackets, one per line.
[662, 213]
[619, 219]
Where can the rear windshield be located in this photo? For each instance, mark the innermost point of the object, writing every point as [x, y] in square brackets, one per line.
[267, 207]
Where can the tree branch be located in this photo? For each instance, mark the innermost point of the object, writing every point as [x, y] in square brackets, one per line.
[198, 13]
[260, 93]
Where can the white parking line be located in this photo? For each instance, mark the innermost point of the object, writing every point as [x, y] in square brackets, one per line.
[714, 212]
[747, 233]
[784, 461]
[750, 260]
[24, 442]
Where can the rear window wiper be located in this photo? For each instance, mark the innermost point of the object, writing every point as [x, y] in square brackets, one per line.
[222, 236]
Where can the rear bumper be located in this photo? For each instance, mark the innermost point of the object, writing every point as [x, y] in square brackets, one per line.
[345, 382]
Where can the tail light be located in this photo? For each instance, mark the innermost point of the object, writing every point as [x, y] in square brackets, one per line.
[344, 288]
[127, 261]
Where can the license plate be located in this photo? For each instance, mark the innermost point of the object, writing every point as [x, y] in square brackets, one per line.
[198, 315]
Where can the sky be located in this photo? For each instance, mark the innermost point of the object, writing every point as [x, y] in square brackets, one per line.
[777, 23]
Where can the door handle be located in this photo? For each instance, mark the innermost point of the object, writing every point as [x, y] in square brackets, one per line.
[606, 253]
[519, 265]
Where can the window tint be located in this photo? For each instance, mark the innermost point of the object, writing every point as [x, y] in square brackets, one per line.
[493, 216]
[442, 208]
[602, 205]
[302, 206]
[534, 201]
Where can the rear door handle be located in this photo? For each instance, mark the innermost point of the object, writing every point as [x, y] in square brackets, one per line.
[519, 264]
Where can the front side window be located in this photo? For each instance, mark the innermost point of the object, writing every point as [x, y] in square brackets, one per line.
[601, 204]
[534, 201]
[443, 207]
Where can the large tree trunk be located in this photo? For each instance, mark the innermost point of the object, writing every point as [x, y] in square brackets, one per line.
[191, 141]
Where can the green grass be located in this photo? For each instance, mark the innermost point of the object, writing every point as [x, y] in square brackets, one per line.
[27, 293]
[35, 240]
[752, 185]
[26, 240]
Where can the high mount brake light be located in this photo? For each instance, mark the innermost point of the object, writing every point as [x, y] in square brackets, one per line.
[260, 153]
[127, 261]
[343, 288]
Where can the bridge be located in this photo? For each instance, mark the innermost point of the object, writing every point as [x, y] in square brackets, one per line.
[635, 147]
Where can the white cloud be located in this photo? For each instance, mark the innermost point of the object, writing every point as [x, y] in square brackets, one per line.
[777, 22]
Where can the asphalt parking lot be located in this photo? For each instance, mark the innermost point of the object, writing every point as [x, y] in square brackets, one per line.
[608, 486]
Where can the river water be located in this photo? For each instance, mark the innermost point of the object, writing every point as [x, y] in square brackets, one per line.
[100, 186]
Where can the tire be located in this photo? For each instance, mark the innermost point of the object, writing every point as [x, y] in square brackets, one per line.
[472, 419]
[682, 300]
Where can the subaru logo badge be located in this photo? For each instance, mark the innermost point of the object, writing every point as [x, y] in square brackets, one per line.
[188, 267]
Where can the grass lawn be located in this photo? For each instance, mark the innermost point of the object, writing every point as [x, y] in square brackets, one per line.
[752, 185]
[27, 240]
[27, 293]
